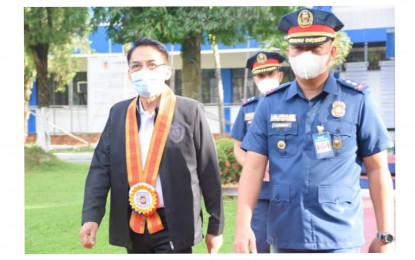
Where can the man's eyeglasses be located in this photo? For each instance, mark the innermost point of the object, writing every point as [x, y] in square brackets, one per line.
[150, 66]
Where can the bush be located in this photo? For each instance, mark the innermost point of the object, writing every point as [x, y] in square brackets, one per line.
[34, 156]
[228, 166]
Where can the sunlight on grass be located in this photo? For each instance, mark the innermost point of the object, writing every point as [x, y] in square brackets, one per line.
[53, 205]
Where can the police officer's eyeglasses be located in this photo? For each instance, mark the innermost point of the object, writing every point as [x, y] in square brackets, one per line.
[150, 66]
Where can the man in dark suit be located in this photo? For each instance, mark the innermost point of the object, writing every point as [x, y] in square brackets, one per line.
[158, 157]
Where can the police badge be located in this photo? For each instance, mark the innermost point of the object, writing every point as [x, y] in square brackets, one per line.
[339, 109]
[176, 132]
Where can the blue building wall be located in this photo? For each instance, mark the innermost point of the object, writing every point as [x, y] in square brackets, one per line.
[31, 124]
[227, 96]
[101, 44]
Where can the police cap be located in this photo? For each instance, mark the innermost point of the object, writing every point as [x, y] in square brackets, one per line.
[264, 61]
[309, 26]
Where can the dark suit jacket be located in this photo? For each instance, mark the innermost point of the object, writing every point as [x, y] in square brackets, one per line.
[188, 171]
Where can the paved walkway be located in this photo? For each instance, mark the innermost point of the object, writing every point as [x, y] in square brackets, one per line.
[74, 157]
[369, 215]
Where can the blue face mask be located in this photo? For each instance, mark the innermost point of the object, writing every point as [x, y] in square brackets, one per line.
[147, 83]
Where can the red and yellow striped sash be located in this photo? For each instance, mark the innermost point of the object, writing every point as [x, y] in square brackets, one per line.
[133, 155]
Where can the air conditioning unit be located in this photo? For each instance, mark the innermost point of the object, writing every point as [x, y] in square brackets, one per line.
[82, 87]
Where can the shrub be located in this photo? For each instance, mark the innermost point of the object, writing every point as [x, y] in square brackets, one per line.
[228, 166]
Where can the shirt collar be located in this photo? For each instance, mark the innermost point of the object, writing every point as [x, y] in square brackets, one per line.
[329, 87]
[142, 111]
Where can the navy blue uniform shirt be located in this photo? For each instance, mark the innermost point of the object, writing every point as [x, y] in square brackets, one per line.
[240, 127]
[316, 203]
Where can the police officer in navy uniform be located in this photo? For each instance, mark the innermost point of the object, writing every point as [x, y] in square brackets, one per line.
[265, 68]
[317, 132]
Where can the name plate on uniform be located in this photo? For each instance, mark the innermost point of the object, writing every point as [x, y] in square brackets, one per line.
[281, 125]
[283, 118]
[249, 116]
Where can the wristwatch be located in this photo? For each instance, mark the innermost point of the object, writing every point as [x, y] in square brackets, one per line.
[385, 237]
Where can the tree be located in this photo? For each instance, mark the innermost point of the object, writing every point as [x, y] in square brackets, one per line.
[344, 46]
[236, 30]
[51, 28]
[190, 27]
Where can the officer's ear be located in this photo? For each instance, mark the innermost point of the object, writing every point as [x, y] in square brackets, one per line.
[333, 49]
[280, 75]
[168, 72]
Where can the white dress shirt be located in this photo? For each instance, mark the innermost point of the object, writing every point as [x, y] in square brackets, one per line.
[145, 133]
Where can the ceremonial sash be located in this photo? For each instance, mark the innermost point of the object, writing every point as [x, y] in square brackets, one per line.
[143, 182]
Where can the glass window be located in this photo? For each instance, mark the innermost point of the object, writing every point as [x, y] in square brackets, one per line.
[209, 93]
[178, 82]
[376, 51]
[57, 98]
[80, 89]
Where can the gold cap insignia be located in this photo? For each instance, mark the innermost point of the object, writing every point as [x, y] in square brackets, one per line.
[261, 58]
[305, 18]
[339, 109]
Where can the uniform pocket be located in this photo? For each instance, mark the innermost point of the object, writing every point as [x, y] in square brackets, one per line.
[343, 137]
[283, 140]
[280, 193]
[336, 194]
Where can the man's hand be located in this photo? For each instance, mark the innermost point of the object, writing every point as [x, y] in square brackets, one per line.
[378, 246]
[214, 243]
[87, 234]
[244, 239]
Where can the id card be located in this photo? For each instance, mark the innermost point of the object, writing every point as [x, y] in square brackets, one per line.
[322, 145]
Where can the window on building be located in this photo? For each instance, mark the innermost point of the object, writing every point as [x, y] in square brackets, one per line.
[208, 88]
[178, 82]
[79, 92]
[209, 93]
[376, 51]
[57, 97]
[80, 89]
[238, 77]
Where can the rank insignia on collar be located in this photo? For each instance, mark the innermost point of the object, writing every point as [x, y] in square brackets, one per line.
[339, 109]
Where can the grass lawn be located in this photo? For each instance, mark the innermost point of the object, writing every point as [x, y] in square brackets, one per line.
[53, 205]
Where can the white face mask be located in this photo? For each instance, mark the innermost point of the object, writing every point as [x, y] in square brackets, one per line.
[267, 84]
[148, 83]
[308, 65]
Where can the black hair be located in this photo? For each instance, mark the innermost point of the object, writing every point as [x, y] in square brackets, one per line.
[146, 41]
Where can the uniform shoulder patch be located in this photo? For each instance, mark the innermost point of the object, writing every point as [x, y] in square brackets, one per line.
[250, 100]
[354, 85]
[280, 87]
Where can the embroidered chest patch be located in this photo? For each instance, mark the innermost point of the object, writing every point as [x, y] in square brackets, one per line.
[176, 132]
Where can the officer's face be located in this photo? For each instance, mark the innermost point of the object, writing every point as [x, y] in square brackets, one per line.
[322, 49]
[275, 74]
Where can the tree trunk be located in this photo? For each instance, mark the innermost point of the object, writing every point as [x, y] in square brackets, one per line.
[40, 57]
[191, 73]
[219, 85]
